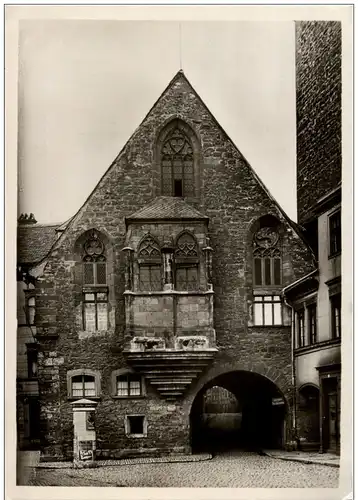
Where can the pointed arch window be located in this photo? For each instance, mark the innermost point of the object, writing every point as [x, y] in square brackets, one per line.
[94, 261]
[186, 263]
[95, 290]
[267, 258]
[149, 260]
[177, 165]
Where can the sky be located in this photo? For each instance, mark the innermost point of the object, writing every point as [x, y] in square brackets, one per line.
[84, 87]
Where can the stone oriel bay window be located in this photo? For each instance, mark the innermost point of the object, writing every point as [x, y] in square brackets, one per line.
[136, 426]
[83, 383]
[126, 383]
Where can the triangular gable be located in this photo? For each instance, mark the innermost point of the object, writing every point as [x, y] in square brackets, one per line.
[180, 76]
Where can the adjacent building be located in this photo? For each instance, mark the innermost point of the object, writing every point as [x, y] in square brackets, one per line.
[316, 298]
[165, 286]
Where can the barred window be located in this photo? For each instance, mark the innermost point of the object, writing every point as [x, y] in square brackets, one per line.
[186, 263]
[177, 165]
[187, 278]
[150, 277]
[267, 310]
[149, 260]
[94, 261]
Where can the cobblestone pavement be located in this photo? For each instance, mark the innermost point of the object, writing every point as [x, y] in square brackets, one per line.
[235, 470]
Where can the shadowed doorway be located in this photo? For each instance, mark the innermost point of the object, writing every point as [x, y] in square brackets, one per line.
[237, 410]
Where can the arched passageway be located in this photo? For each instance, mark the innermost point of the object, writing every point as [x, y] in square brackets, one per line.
[238, 410]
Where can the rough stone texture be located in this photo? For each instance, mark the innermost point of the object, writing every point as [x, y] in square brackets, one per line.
[318, 100]
[238, 470]
[233, 198]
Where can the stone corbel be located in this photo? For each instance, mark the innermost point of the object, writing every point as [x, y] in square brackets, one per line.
[208, 251]
[128, 252]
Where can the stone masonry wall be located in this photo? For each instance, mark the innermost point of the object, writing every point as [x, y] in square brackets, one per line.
[233, 198]
[318, 102]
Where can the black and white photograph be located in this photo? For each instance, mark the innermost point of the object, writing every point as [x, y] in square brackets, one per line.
[180, 258]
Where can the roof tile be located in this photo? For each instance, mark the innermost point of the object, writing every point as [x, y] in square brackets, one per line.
[167, 207]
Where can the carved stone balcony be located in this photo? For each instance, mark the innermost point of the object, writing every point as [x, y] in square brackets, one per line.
[170, 370]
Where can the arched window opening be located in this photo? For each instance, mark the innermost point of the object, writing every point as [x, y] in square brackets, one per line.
[267, 272]
[149, 260]
[95, 291]
[267, 257]
[177, 165]
[186, 263]
[94, 261]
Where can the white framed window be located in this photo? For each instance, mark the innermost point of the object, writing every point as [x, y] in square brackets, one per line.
[127, 384]
[95, 310]
[83, 383]
[267, 310]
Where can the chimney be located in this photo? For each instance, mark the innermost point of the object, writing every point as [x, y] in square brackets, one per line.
[27, 219]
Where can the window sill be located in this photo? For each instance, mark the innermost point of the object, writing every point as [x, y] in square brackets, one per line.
[128, 397]
[268, 326]
[317, 346]
[135, 436]
[77, 398]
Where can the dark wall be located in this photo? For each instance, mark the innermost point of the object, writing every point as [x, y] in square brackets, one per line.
[318, 101]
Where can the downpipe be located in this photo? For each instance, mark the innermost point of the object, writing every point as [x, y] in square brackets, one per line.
[293, 375]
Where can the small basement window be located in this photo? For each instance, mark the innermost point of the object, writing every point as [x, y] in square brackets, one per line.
[136, 426]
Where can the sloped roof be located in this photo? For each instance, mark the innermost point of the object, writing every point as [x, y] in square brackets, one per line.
[167, 207]
[34, 241]
[144, 212]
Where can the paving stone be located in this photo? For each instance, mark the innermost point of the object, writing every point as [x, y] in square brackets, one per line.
[234, 470]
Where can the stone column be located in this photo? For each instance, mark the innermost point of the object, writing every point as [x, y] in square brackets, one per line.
[128, 252]
[167, 259]
[84, 433]
[209, 264]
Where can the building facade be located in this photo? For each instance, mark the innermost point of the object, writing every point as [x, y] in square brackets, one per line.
[316, 299]
[166, 283]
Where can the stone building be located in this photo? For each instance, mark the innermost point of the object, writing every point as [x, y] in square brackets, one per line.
[316, 298]
[166, 283]
[33, 244]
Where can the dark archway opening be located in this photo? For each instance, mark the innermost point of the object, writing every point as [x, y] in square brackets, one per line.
[238, 410]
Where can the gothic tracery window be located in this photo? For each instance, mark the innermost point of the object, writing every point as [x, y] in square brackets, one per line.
[95, 292]
[94, 261]
[186, 263]
[149, 259]
[267, 257]
[177, 165]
